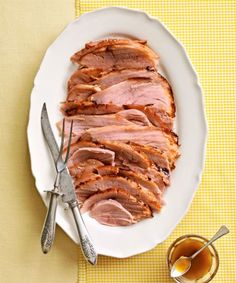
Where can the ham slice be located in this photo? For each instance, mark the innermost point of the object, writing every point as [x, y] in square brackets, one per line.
[143, 181]
[83, 76]
[116, 54]
[153, 114]
[114, 77]
[110, 212]
[158, 116]
[106, 182]
[81, 92]
[76, 145]
[137, 208]
[161, 113]
[156, 113]
[135, 116]
[85, 177]
[136, 92]
[95, 45]
[152, 174]
[150, 136]
[82, 154]
[84, 169]
[82, 122]
[88, 108]
[127, 153]
[108, 170]
[158, 177]
[158, 157]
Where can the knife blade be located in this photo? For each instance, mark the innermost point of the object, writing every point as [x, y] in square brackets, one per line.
[68, 191]
[66, 184]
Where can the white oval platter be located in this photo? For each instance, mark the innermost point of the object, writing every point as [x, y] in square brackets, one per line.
[50, 87]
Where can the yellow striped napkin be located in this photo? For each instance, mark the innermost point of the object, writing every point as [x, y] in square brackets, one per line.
[207, 30]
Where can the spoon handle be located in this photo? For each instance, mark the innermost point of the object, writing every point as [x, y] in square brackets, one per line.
[221, 232]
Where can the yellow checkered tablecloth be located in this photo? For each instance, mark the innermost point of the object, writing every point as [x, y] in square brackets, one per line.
[207, 29]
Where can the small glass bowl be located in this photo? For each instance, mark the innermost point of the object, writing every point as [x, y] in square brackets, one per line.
[215, 259]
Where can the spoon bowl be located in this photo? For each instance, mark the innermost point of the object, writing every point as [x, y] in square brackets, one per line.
[181, 266]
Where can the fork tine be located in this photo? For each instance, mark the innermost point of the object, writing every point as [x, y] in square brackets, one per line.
[69, 142]
[62, 139]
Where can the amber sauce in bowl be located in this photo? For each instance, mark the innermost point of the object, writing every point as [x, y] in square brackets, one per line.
[203, 267]
[200, 264]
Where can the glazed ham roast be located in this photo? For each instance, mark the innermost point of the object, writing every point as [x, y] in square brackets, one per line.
[123, 145]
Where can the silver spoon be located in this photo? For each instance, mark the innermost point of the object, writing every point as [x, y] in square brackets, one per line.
[183, 264]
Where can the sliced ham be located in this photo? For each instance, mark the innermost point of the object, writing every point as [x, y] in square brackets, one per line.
[84, 153]
[85, 177]
[88, 108]
[76, 145]
[137, 208]
[153, 114]
[116, 54]
[135, 116]
[150, 136]
[95, 45]
[158, 177]
[81, 92]
[106, 182]
[158, 116]
[123, 146]
[135, 92]
[83, 122]
[158, 157]
[127, 153]
[143, 181]
[152, 174]
[83, 76]
[114, 77]
[108, 170]
[110, 212]
[84, 168]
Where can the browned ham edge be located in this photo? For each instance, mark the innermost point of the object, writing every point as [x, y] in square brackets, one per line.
[158, 157]
[158, 177]
[87, 189]
[108, 170]
[83, 76]
[81, 92]
[127, 153]
[116, 54]
[142, 181]
[88, 108]
[93, 46]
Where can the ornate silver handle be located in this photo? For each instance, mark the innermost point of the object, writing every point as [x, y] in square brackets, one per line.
[49, 227]
[85, 241]
[221, 232]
